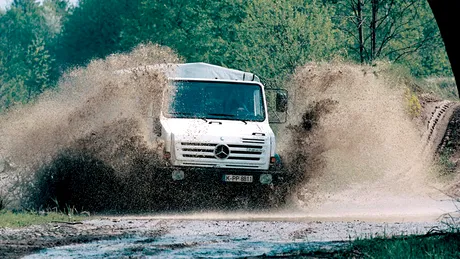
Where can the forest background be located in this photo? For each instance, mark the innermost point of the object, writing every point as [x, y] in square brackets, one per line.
[40, 40]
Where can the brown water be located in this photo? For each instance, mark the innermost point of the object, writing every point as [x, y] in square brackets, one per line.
[360, 151]
[349, 140]
[90, 133]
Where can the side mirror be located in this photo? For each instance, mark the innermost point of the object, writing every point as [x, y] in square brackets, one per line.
[281, 101]
[277, 104]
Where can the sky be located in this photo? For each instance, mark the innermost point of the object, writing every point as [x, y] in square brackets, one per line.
[5, 3]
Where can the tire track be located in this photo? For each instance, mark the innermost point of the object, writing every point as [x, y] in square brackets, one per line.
[436, 126]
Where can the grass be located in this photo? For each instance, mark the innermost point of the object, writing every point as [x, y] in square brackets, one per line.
[431, 245]
[13, 219]
[438, 245]
[444, 159]
[443, 87]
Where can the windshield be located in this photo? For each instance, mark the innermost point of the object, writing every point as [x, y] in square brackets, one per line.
[216, 100]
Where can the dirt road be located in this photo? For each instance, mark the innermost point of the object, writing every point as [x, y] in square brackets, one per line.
[212, 234]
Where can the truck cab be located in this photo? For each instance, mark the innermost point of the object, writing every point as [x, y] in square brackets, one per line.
[214, 124]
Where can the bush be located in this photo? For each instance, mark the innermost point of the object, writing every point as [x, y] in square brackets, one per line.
[413, 103]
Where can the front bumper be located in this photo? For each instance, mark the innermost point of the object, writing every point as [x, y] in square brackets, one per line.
[217, 175]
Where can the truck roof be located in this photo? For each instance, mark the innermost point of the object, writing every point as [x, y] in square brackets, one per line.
[198, 70]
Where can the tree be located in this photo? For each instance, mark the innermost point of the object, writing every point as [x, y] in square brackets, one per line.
[198, 30]
[93, 30]
[25, 62]
[267, 37]
[279, 35]
[387, 29]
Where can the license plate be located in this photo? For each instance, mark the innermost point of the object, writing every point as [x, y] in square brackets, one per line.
[238, 178]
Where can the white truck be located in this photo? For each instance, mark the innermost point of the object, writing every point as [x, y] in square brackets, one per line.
[214, 125]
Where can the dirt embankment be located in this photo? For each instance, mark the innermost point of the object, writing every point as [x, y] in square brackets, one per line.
[448, 153]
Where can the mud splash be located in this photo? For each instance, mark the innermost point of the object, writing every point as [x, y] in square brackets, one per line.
[349, 142]
[359, 152]
[81, 142]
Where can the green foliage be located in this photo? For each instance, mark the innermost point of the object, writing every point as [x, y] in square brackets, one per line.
[412, 103]
[443, 87]
[405, 33]
[279, 35]
[92, 30]
[420, 46]
[13, 219]
[38, 41]
[268, 37]
[445, 161]
[197, 30]
[25, 62]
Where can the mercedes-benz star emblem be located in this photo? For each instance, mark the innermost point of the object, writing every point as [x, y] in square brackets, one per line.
[222, 151]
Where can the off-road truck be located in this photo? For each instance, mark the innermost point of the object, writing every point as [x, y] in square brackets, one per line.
[215, 127]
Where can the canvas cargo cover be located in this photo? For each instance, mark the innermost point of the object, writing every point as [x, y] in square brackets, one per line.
[198, 70]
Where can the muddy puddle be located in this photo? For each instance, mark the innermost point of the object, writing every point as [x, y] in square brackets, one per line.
[283, 233]
[171, 247]
[205, 238]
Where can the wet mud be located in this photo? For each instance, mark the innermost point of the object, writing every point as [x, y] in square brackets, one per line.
[202, 235]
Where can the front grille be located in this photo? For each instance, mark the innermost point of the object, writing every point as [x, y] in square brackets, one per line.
[244, 146]
[244, 158]
[197, 144]
[253, 141]
[198, 155]
[249, 150]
